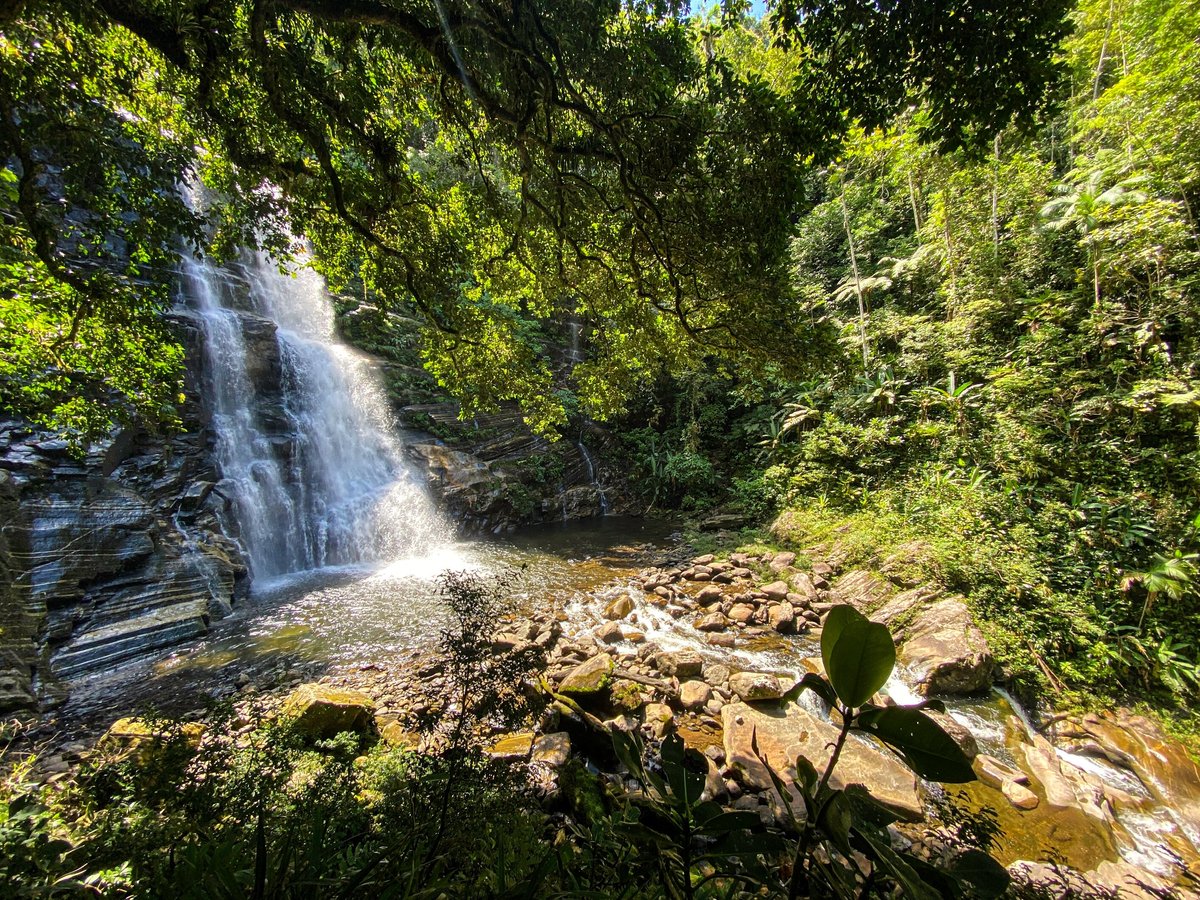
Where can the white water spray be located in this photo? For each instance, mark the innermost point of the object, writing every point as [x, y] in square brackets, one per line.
[319, 477]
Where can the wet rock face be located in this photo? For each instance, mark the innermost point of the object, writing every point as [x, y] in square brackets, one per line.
[493, 474]
[945, 650]
[1162, 765]
[778, 736]
[106, 558]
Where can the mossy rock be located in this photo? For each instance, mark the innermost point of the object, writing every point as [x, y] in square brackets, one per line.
[396, 736]
[626, 696]
[589, 677]
[512, 746]
[321, 711]
[136, 736]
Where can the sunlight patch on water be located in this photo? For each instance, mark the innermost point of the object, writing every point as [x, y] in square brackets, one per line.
[428, 567]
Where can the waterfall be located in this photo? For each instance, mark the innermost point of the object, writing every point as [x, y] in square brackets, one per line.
[318, 476]
[601, 494]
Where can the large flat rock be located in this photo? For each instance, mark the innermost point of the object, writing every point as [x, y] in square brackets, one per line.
[945, 651]
[783, 733]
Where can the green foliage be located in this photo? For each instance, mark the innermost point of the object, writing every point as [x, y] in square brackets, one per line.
[1026, 411]
[92, 228]
[858, 654]
[628, 164]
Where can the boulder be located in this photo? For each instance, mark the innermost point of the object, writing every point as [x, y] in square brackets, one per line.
[782, 561]
[1163, 765]
[552, 749]
[681, 663]
[753, 686]
[716, 673]
[741, 613]
[609, 633]
[945, 651]
[901, 604]
[861, 589]
[995, 773]
[588, 677]
[1043, 763]
[512, 746]
[1019, 796]
[395, 735]
[714, 621]
[619, 608]
[136, 734]
[322, 711]
[782, 617]
[783, 735]
[709, 594]
[659, 719]
[961, 734]
[803, 585]
[694, 694]
[776, 590]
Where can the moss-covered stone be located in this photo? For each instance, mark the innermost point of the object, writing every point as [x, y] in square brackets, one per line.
[322, 711]
[589, 677]
[137, 737]
[626, 695]
[512, 746]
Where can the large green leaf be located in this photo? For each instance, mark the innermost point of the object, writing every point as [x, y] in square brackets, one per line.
[879, 848]
[685, 770]
[811, 682]
[930, 752]
[859, 654]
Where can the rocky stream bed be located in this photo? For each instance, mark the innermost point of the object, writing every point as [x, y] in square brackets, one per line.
[636, 638]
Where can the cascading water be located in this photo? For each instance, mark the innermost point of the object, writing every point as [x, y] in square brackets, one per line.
[601, 494]
[318, 477]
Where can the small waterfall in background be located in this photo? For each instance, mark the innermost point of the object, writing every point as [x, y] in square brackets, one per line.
[319, 476]
[593, 477]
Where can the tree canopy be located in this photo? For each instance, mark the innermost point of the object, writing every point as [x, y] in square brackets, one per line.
[494, 165]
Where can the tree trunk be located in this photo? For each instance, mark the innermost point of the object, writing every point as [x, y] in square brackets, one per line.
[862, 309]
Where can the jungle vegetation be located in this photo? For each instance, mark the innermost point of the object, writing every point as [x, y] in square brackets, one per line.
[920, 275]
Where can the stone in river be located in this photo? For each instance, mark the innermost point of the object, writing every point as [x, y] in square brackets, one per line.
[619, 608]
[776, 590]
[694, 694]
[752, 686]
[681, 663]
[322, 711]
[782, 736]
[589, 677]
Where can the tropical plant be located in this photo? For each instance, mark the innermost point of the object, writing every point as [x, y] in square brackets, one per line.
[859, 656]
[1083, 204]
[1171, 576]
[841, 846]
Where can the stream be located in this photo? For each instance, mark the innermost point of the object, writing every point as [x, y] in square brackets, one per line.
[384, 613]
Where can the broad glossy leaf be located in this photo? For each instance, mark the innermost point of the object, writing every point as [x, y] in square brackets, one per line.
[685, 770]
[868, 810]
[835, 820]
[880, 850]
[741, 820]
[859, 654]
[628, 750]
[930, 752]
[815, 683]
